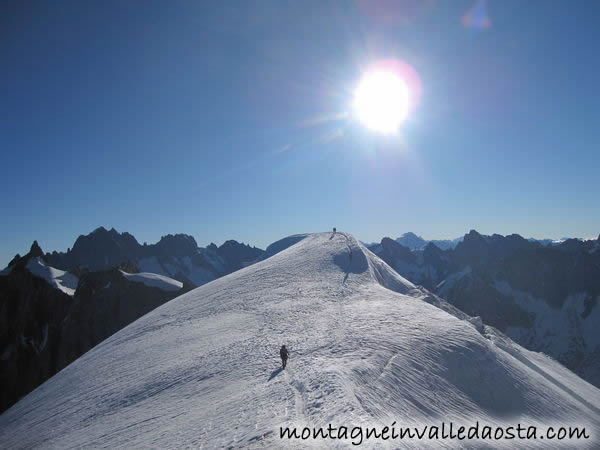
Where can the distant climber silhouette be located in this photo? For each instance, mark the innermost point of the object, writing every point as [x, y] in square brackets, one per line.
[284, 356]
[334, 229]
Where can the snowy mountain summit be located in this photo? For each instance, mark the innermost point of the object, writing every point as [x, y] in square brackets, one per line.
[367, 349]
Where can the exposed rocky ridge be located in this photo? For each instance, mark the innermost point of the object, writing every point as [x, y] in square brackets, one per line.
[31, 314]
[177, 256]
[21, 261]
[238, 255]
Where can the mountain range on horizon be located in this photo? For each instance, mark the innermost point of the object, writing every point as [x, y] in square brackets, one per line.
[177, 256]
[120, 246]
[415, 242]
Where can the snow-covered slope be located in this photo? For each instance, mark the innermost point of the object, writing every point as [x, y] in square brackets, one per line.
[366, 347]
[154, 280]
[59, 279]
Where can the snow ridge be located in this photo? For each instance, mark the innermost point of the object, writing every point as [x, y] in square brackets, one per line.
[367, 347]
[58, 279]
[154, 280]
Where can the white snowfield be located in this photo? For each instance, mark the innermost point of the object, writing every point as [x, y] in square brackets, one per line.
[367, 348]
[154, 280]
[58, 279]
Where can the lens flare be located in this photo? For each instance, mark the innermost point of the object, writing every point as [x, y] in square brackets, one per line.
[477, 17]
[387, 93]
[381, 101]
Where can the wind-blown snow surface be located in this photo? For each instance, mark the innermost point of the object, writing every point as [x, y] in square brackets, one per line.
[203, 369]
[154, 280]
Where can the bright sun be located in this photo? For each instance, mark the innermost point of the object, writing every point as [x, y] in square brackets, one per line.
[381, 101]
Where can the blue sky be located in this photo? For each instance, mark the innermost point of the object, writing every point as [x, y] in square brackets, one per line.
[225, 120]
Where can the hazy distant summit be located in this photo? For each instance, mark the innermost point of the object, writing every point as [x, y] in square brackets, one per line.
[414, 242]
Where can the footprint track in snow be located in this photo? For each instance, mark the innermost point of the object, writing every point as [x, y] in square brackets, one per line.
[299, 393]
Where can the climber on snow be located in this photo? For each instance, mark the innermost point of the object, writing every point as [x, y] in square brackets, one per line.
[284, 355]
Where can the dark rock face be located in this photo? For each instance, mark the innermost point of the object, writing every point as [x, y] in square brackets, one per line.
[35, 250]
[484, 251]
[21, 261]
[518, 286]
[31, 315]
[435, 257]
[394, 251]
[105, 302]
[98, 250]
[177, 245]
[42, 330]
[238, 255]
[476, 295]
[425, 267]
[551, 273]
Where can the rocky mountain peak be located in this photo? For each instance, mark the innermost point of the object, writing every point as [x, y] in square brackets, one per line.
[411, 240]
[178, 245]
[396, 251]
[472, 235]
[35, 250]
[237, 254]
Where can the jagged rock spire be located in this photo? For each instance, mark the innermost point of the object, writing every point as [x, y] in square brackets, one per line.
[35, 250]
